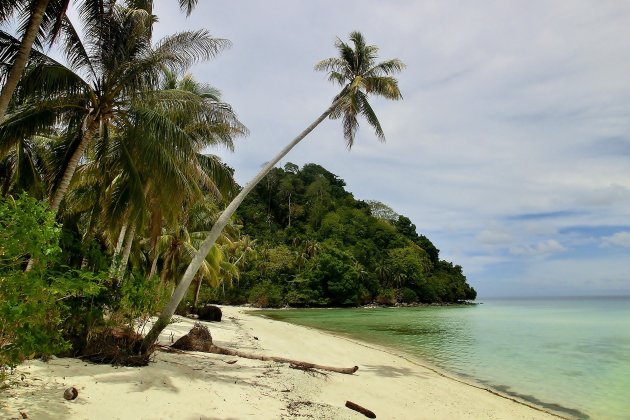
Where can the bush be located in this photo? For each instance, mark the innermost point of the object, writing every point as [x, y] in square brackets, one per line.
[408, 296]
[34, 304]
[140, 298]
[386, 296]
[266, 295]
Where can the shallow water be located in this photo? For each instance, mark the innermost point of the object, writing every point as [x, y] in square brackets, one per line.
[570, 354]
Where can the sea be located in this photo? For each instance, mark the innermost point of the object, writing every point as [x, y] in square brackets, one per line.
[571, 355]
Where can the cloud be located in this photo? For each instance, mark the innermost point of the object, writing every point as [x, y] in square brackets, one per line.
[548, 247]
[513, 129]
[494, 237]
[621, 239]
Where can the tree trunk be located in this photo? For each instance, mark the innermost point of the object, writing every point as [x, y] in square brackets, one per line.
[289, 209]
[216, 230]
[197, 290]
[21, 59]
[127, 251]
[59, 194]
[119, 245]
[153, 265]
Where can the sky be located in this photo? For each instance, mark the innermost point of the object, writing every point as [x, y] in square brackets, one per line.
[510, 149]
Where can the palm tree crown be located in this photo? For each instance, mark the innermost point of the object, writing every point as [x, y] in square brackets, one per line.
[356, 70]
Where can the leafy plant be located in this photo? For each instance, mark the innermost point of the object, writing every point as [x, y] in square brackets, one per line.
[34, 303]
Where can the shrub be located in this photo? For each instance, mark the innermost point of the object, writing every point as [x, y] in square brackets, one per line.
[386, 296]
[140, 297]
[266, 295]
[408, 296]
[34, 304]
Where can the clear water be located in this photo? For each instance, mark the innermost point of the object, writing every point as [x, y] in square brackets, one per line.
[571, 355]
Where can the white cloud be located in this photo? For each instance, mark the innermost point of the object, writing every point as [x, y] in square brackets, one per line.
[548, 247]
[494, 237]
[621, 239]
[504, 116]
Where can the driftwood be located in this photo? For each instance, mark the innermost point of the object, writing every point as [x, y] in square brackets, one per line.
[356, 407]
[199, 339]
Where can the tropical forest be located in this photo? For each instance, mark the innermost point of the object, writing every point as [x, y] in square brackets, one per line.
[114, 207]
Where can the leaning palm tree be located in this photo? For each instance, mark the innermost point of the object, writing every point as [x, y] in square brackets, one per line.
[355, 69]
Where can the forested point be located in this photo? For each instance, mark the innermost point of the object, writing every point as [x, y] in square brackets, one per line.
[316, 245]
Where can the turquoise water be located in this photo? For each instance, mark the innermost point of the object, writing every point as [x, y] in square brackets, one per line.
[571, 355]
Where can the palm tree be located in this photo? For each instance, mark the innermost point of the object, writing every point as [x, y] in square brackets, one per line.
[356, 70]
[128, 164]
[110, 83]
[179, 244]
[43, 18]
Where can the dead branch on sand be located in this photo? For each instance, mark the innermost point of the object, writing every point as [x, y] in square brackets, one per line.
[356, 407]
[199, 339]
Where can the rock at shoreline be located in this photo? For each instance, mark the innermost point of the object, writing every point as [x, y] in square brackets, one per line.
[209, 313]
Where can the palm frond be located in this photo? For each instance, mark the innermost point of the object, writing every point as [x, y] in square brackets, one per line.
[370, 116]
[386, 68]
[30, 120]
[44, 82]
[385, 86]
[187, 5]
[75, 50]
[8, 9]
[175, 53]
[219, 173]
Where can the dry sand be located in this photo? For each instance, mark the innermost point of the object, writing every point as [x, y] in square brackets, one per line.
[206, 386]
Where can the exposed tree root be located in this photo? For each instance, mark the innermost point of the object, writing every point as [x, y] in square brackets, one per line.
[115, 345]
[199, 339]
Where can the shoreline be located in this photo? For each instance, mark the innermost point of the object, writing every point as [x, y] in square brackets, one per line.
[554, 409]
[200, 385]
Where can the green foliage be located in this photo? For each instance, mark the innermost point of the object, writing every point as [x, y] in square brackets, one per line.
[141, 297]
[266, 295]
[336, 250]
[409, 265]
[407, 295]
[27, 230]
[386, 296]
[335, 271]
[35, 304]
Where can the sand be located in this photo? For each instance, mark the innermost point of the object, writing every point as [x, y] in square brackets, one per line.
[207, 386]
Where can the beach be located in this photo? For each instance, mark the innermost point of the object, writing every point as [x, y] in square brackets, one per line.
[198, 385]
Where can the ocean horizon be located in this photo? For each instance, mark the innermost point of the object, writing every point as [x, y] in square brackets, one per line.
[570, 354]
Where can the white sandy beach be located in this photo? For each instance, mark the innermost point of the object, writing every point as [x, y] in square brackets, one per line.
[205, 386]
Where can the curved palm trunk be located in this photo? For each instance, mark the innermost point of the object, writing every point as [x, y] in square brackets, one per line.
[21, 59]
[221, 222]
[60, 193]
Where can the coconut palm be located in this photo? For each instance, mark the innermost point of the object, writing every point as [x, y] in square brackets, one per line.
[40, 19]
[355, 69]
[110, 82]
[180, 242]
[128, 163]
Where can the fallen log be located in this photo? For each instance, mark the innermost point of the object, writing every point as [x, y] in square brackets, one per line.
[356, 407]
[199, 339]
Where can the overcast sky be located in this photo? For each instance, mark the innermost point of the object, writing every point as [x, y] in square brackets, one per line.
[510, 150]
